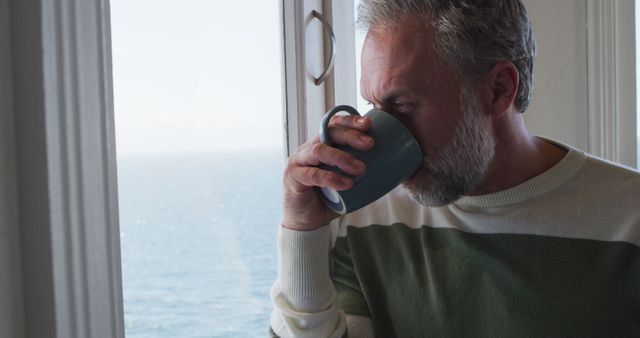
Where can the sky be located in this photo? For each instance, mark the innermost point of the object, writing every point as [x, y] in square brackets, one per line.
[196, 75]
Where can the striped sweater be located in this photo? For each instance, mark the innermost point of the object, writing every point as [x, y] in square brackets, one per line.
[556, 256]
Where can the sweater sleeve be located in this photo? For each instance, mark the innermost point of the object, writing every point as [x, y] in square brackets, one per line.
[303, 295]
[350, 297]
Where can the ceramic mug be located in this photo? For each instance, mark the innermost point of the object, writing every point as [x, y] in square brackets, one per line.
[395, 156]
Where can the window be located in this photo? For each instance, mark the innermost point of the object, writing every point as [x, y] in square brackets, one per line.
[198, 108]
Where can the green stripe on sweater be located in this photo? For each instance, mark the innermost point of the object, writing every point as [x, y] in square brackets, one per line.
[436, 282]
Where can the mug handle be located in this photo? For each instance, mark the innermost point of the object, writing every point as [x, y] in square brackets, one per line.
[324, 125]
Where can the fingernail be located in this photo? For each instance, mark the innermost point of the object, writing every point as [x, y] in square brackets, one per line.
[360, 120]
[365, 139]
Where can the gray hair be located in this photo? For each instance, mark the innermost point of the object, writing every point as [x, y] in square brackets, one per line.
[472, 34]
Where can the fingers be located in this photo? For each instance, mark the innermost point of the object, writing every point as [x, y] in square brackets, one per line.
[318, 153]
[351, 121]
[303, 168]
[314, 176]
[303, 207]
[350, 130]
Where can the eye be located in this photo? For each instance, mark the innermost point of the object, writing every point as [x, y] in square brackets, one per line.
[405, 108]
[370, 105]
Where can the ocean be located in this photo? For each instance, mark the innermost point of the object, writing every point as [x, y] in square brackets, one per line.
[198, 238]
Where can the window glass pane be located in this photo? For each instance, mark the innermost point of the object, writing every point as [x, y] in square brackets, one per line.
[198, 107]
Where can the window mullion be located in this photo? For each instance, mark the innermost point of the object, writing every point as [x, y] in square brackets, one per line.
[306, 53]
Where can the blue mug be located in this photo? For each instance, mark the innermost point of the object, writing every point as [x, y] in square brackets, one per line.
[395, 156]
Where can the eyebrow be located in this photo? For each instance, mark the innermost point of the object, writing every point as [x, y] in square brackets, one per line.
[394, 94]
[390, 96]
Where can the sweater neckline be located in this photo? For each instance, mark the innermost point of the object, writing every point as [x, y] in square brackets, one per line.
[561, 172]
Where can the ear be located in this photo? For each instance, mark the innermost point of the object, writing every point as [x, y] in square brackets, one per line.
[502, 87]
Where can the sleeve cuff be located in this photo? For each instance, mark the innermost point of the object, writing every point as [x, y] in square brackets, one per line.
[303, 268]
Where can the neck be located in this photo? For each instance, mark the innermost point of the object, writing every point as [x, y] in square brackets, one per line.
[519, 156]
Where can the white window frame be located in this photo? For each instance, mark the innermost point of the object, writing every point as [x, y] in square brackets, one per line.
[11, 310]
[66, 164]
[306, 102]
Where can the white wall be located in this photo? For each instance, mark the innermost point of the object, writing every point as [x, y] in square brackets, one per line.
[585, 77]
[11, 318]
[559, 108]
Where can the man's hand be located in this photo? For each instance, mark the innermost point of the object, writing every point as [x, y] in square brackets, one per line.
[303, 208]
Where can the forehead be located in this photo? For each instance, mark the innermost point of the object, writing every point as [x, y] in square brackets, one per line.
[398, 55]
[410, 34]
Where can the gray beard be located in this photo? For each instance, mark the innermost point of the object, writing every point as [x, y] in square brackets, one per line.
[460, 166]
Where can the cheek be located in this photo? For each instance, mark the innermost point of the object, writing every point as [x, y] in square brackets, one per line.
[421, 134]
[431, 134]
[416, 128]
[441, 121]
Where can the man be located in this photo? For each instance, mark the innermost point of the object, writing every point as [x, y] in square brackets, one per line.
[500, 234]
